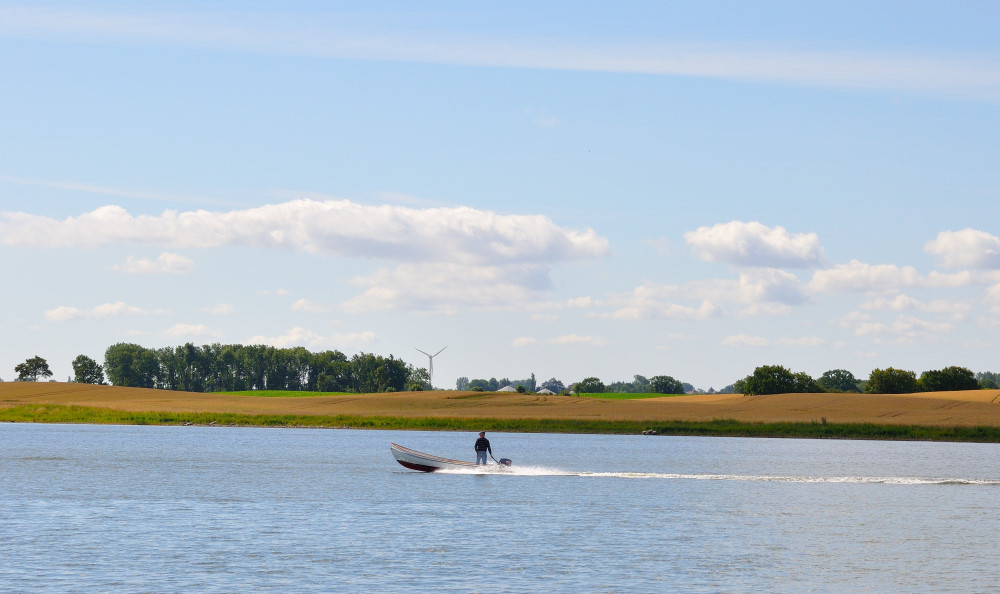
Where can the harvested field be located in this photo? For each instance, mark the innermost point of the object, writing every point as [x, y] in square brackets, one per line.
[977, 408]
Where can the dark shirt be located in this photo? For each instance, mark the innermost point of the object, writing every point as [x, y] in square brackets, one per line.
[483, 445]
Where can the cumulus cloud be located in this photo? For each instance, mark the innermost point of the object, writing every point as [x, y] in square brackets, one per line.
[445, 287]
[189, 330]
[766, 291]
[754, 286]
[308, 306]
[859, 277]
[955, 309]
[165, 263]
[740, 340]
[803, 341]
[667, 311]
[754, 244]
[299, 336]
[904, 330]
[967, 248]
[65, 313]
[571, 339]
[219, 309]
[524, 341]
[338, 227]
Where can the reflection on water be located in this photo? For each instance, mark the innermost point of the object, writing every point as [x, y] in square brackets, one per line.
[221, 509]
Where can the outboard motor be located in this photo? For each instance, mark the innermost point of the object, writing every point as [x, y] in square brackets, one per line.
[504, 461]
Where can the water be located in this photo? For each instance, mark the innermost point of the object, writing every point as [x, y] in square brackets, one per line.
[105, 508]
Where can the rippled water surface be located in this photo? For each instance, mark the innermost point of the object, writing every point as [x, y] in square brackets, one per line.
[231, 509]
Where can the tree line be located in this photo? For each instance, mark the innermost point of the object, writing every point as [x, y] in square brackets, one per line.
[658, 384]
[234, 367]
[775, 379]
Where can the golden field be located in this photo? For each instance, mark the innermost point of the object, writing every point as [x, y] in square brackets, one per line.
[938, 409]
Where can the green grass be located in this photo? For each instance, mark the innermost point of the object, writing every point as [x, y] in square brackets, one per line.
[51, 413]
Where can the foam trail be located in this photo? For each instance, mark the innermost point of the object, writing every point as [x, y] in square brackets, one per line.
[873, 480]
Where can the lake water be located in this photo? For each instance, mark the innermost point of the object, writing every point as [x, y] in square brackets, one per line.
[107, 508]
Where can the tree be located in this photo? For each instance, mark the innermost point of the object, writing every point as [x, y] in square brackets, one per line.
[417, 379]
[87, 371]
[590, 385]
[805, 384]
[32, 369]
[664, 384]
[131, 365]
[554, 385]
[988, 380]
[948, 379]
[891, 381]
[838, 380]
[769, 379]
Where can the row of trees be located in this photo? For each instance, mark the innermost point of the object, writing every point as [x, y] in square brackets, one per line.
[217, 367]
[775, 379]
[658, 384]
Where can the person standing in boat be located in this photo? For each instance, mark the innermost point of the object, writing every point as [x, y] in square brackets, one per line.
[482, 447]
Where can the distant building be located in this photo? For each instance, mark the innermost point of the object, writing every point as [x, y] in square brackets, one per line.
[545, 391]
[507, 388]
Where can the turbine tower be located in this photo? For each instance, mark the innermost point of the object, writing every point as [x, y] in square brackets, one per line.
[430, 366]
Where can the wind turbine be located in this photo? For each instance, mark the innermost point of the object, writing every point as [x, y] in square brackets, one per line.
[430, 367]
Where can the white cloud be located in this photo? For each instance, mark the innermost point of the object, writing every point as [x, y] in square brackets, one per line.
[64, 312]
[803, 341]
[904, 330]
[859, 277]
[754, 286]
[993, 298]
[338, 227]
[955, 309]
[337, 36]
[191, 330]
[445, 288]
[165, 263]
[667, 311]
[299, 336]
[219, 309]
[582, 302]
[310, 307]
[853, 318]
[765, 291]
[352, 339]
[571, 339]
[741, 340]
[523, 341]
[754, 244]
[967, 248]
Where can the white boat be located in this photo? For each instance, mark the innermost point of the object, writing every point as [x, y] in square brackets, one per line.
[415, 460]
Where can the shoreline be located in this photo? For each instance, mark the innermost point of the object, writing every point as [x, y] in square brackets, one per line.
[972, 416]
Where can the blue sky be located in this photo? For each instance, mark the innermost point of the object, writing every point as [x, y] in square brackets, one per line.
[564, 189]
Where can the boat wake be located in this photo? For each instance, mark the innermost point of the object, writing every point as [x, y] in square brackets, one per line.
[874, 480]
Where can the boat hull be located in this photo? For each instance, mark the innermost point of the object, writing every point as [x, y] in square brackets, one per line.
[422, 462]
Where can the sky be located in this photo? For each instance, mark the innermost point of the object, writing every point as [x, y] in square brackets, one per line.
[565, 189]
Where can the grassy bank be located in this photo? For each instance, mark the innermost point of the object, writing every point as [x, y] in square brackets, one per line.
[50, 413]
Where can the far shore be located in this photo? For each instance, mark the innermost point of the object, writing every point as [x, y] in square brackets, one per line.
[963, 416]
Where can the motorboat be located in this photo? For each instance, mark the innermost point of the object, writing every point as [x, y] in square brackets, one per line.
[415, 460]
